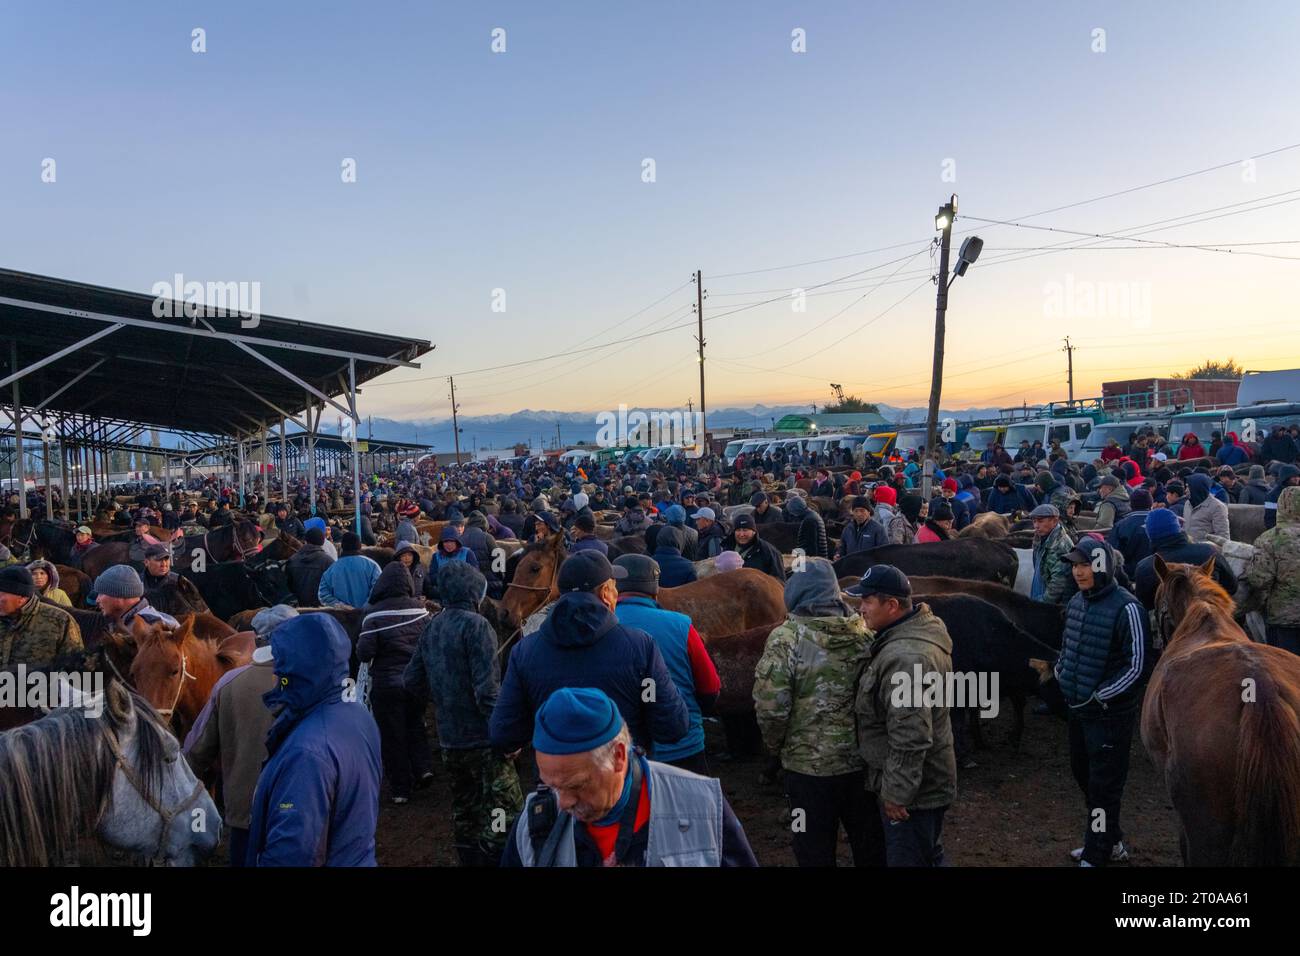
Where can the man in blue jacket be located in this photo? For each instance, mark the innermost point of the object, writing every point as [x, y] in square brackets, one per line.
[1287, 475]
[1102, 671]
[683, 651]
[317, 798]
[349, 579]
[582, 644]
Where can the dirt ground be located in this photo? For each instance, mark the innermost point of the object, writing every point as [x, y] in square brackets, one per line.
[1013, 809]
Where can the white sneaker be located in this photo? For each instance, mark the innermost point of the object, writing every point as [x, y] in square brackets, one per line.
[398, 801]
[1118, 854]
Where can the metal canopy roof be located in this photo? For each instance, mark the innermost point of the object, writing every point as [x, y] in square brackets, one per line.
[102, 353]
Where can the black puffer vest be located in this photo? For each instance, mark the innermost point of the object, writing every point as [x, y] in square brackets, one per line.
[1091, 655]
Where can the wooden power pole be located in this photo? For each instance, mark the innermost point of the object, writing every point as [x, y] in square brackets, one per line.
[455, 426]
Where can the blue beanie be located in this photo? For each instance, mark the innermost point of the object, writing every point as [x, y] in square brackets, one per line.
[676, 514]
[1162, 523]
[576, 720]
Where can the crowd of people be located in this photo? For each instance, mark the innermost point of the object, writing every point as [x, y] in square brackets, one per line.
[612, 692]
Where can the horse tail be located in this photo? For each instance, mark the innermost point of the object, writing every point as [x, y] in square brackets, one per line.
[1268, 779]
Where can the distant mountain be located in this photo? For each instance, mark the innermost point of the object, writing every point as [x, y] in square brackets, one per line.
[538, 428]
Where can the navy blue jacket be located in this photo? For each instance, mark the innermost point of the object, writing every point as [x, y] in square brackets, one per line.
[582, 644]
[317, 799]
[1005, 503]
[674, 570]
[1105, 648]
[1128, 536]
[1176, 549]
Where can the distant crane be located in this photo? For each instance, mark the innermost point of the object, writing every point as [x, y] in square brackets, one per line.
[839, 393]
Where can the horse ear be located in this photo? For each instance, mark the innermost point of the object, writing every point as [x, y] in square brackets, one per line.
[1162, 569]
[556, 540]
[186, 630]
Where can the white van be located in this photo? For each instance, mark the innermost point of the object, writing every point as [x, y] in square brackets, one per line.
[1071, 433]
[1101, 435]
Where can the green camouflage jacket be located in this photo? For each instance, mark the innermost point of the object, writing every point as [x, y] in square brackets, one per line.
[1052, 568]
[37, 634]
[905, 739]
[803, 693]
[1274, 571]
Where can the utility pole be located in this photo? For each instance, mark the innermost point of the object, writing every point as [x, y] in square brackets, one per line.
[699, 317]
[946, 215]
[557, 434]
[455, 426]
[1069, 351]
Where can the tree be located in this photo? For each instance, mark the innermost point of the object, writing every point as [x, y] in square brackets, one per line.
[1212, 369]
[850, 405]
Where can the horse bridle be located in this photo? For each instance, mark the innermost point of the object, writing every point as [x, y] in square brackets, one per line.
[167, 816]
[555, 573]
[180, 687]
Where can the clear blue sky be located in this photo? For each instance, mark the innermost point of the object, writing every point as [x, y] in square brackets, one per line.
[522, 171]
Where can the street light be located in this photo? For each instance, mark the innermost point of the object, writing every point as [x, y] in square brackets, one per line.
[966, 256]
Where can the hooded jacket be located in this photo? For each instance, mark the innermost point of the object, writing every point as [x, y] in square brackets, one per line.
[1284, 474]
[1112, 508]
[758, 554]
[455, 661]
[317, 799]
[634, 522]
[674, 570]
[811, 536]
[582, 644]
[52, 591]
[391, 624]
[1274, 571]
[1205, 514]
[905, 741]
[1232, 453]
[1052, 578]
[1176, 549]
[806, 680]
[1253, 492]
[348, 581]
[1105, 649]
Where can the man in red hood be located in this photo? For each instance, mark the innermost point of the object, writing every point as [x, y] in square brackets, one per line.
[1191, 448]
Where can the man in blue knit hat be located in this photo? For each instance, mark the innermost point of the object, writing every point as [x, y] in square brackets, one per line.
[603, 803]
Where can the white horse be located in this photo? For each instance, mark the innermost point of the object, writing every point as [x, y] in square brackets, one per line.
[106, 766]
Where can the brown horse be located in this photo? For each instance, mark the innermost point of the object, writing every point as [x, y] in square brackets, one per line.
[1221, 718]
[730, 603]
[75, 584]
[175, 671]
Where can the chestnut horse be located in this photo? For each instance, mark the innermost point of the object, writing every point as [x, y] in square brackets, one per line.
[1221, 718]
[175, 670]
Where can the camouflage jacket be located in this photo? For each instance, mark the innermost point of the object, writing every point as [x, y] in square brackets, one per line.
[1274, 571]
[37, 634]
[804, 686]
[905, 740]
[1051, 570]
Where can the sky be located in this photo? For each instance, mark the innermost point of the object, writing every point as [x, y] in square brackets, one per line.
[519, 179]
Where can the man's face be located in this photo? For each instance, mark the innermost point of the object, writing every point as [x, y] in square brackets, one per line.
[113, 607]
[608, 594]
[1044, 526]
[1083, 575]
[83, 538]
[582, 787]
[860, 515]
[879, 611]
[1105, 490]
[744, 536]
[158, 566]
[948, 493]
[704, 524]
[10, 603]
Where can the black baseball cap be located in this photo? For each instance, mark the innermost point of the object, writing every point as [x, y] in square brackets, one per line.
[588, 570]
[882, 579]
[155, 551]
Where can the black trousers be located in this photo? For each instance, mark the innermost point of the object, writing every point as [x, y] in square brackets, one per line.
[404, 743]
[916, 841]
[820, 804]
[1099, 754]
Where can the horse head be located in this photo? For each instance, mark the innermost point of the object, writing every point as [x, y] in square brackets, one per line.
[534, 583]
[160, 671]
[158, 808]
[1181, 588]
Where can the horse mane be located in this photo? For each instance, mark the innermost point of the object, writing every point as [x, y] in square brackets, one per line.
[56, 777]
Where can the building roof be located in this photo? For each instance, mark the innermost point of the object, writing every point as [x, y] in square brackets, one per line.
[214, 375]
[835, 421]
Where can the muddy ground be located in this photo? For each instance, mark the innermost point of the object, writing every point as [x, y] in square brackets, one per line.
[1013, 809]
